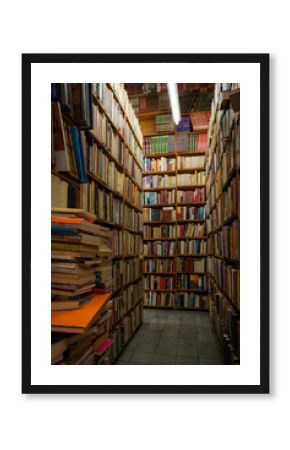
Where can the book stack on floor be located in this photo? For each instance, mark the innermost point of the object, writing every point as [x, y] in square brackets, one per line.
[80, 289]
[223, 218]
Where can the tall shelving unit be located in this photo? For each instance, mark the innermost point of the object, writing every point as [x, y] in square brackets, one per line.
[112, 190]
[177, 292]
[223, 219]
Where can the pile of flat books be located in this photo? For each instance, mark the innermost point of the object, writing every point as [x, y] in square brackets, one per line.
[81, 258]
[91, 347]
[81, 285]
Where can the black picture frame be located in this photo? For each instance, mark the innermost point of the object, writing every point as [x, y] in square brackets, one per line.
[263, 61]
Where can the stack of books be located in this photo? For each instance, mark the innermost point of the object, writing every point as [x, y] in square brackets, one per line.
[81, 258]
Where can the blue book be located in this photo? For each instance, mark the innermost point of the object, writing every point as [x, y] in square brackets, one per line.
[58, 229]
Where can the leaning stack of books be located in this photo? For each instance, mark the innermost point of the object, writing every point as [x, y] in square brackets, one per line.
[81, 284]
[81, 258]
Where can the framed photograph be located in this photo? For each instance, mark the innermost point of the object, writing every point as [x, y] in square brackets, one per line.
[145, 223]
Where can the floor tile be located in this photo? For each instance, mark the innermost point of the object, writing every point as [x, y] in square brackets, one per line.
[208, 362]
[186, 360]
[160, 359]
[187, 347]
[141, 357]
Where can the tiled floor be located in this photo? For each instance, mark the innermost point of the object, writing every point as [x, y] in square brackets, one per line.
[173, 337]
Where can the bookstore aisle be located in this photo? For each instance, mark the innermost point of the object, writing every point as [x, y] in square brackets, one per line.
[145, 182]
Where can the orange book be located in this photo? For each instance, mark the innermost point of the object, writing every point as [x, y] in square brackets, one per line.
[73, 220]
[79, 319]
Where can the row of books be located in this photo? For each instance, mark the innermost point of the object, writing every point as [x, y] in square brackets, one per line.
[227, 207]
[191, 265]
[192, 247]
[163, 197]
[117, 242]
[159, 299]
[75, 100]
[191, 230]
[159, 164]
[190, 162]
[190, 212]
[64, 194]
[132, 270]
[191, 142]
[159, 248]
[227, 277]
[132, 243]
[69, 151]
[125, 271]
[165, 214]
[159, 282]
[225, 243]
[196, 195]
[105, 133]
[163, 123]
[188, 230]
[227, 163]
[177, 143]
[226, 322]
[132, 218]
[157, 181]
[132, 168]
[184, 281]
[160, 231]
[104, 204]
[124, 302]
[192, 281]
[132, 193]
[190, 179]
[105, 169]
[127, 326]
[191, 300]
[159, 265]
[114, 108]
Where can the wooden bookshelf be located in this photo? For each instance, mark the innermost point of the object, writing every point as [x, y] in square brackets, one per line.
[127, 159]
[173, 293]
[222, 190]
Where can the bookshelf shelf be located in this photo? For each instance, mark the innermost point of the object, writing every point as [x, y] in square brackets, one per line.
[66, 177]
[173, 154]
[191, 238]
[191, 187]
[159, 189]
[166, 172]
[159, 256]
[160, 273]
[191, 204]
[158, 239]
[160, 205]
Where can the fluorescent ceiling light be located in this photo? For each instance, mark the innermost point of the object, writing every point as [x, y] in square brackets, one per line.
[174, 102]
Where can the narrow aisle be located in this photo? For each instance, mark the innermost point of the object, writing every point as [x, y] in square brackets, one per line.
[173, 337]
